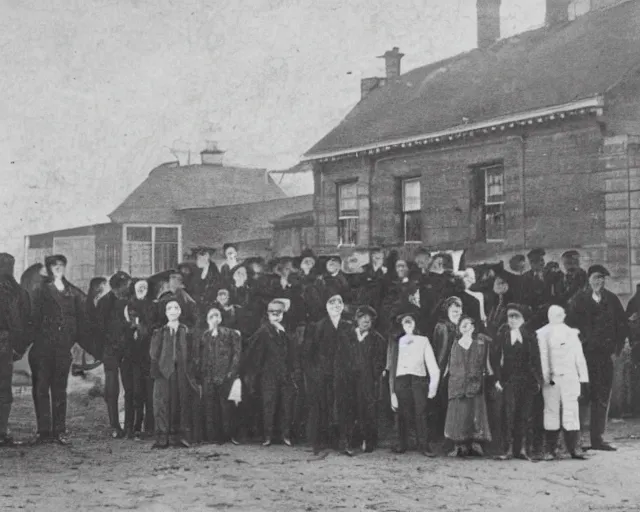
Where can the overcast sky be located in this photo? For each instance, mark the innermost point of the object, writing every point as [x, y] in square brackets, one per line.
[96, 92]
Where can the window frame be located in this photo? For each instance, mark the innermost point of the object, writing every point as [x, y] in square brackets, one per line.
[486, 203]
[153, 240]
[404, 211]
[356, 217]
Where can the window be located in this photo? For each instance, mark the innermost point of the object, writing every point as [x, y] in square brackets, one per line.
[493, 202]
[148, 250]
[348, 213]
[411, 212]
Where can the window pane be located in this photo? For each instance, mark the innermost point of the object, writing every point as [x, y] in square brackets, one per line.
[495, 184]
[167, 235]
[166, 256]
[136, 259]
[139, 234]
[411, 195]
[348, 231]
[495, 222]
[348, 196]
[413, 227]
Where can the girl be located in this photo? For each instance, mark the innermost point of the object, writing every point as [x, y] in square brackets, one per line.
[231, 254]
[467, 423]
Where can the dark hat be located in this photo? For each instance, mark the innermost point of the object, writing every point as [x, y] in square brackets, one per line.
[236, 268]
[174, 272]
[228, 245]
[570, 254]
[334, 257]
[330, 295]
[536, 253]
[375, 249]
[167, 298]
[118, 279]
[597, 269]
[201, 250]
[405, 314]
[524, 310]
[515, 259]
[308, 253]
[50, 261]
[7, 262]
[366, 310]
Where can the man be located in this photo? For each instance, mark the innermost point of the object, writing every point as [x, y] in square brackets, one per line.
[333, 280]
[574, 278]
[14, 315]
[116, 356]
[370, 281]
[188, 306]
[601, 319]
[205, 284]
[536, 289]
[517, 266]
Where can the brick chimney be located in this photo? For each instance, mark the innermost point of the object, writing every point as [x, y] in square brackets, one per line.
[557, 12]
[488, 12]
[212, 155]
[392, 60]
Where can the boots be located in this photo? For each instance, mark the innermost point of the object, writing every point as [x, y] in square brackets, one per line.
[572, 439]
[551, 445]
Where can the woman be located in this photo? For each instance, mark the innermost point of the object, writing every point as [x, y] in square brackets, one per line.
[98, 288]
[140, 313]
[414, 378]
[217, 366]
[58, 323]
[467, 423]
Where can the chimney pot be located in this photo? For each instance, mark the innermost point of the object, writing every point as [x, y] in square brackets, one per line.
[212, 155]
[557, 12]
[392, 60]
[488, 12]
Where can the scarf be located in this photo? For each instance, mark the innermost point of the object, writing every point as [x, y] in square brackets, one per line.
[465, 341]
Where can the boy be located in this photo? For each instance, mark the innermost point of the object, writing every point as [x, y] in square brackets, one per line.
[175, 390]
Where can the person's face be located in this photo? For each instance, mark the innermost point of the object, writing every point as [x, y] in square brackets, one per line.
[466, 326]
[437, 265]
[223, 297]
[570, 264]
[141, 288]
[58, 269]
[257, 269]
[231, 253]
[408, 325]
[202, 260]
[537, 264]
[240, 276]
[335, 306]
[214, 319]
[422, 261]
[275, 312]
[365, 322]
[286, 270]
[173, 311]
[500, 286]
[597, 281]
[377, 259]
[333, 267]
[454, 313]
[175, 282]
[415, 298]
[307, 264]
[402, 269]
[515, 319]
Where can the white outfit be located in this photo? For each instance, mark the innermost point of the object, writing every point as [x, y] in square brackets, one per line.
[564, 364]
[416, 357]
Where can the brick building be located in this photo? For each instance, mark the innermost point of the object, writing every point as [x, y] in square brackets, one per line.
[530, 141]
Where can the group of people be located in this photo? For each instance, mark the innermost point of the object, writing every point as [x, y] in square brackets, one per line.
[297, 349]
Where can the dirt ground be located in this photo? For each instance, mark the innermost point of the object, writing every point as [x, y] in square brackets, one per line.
[97, 473]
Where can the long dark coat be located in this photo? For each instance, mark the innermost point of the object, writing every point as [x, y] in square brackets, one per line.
[15, 312]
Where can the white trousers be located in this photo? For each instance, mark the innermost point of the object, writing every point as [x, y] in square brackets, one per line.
[561, 408]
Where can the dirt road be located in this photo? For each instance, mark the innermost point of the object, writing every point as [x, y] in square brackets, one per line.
[97, 473]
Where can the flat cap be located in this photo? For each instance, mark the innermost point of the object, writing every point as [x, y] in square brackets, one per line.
[598, 269]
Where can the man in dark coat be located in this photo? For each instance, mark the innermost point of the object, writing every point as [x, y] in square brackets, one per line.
[273, 361]
[371, 281]
[515, 360]
[116, 356]
[14, 317]
[319, 353]
[574, 278]
[334, 282]
[515, 278]
[58, 323]
[536, 288]
[359, 361]
[602, 322]
[206, 283]
[188, 306]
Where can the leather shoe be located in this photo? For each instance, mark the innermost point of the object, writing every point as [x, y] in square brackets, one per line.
[6, 441]
[160, 445]
[62, 439]
[603, 447]
[40, 439]
[267, 442]
[288, 442]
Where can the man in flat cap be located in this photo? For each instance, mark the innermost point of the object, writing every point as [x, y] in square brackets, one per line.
[14, 316]
[602, 322]
[536, 287]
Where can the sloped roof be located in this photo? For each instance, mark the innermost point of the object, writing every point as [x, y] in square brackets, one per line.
[170, 188]
[533, 70]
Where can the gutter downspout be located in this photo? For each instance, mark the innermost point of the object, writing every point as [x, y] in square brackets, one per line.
[629, 238]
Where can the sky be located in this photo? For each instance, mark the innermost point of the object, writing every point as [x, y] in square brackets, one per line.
[95, 93]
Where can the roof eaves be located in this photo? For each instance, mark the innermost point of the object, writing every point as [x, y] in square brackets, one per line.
[593, 104]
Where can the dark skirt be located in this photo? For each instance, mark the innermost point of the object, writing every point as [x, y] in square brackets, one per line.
[467, 420]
